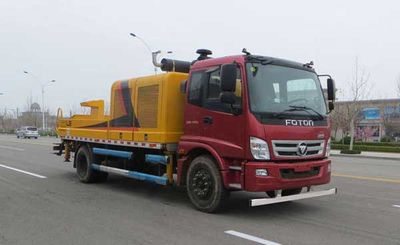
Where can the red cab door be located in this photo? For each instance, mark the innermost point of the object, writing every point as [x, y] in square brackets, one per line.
[212, 122]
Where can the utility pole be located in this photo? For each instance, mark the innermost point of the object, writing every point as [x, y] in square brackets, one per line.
[42, 86]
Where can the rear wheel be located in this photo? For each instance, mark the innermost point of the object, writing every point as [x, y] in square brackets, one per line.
[86, 174]
[205, 186]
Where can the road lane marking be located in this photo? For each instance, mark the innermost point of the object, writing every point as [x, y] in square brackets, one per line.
[396, 181]
[21, 141]
[396, 206]
[11, 148]
[22, 171]
[250, 237]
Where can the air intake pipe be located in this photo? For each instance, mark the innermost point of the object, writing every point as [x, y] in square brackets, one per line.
[179, 65]
[171, 65]
[175, 65]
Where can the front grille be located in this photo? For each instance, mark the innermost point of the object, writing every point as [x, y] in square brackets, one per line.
[290, 148]
[291, 174]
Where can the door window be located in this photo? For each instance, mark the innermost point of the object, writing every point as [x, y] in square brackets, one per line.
[195, 88]
[205, 89]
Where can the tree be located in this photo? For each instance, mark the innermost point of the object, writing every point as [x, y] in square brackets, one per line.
[339, 120]
[359, 88]
[398, 86]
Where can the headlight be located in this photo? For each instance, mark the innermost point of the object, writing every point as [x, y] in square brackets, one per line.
[259, 149]
[328, 148]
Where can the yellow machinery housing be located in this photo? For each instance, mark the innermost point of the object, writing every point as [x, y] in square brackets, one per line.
[145, 109]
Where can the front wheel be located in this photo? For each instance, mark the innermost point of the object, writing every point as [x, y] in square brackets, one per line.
[289, 192]
[204, 185]
[271, 194]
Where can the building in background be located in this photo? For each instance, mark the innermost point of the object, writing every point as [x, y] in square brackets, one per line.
[377, 119]
[10, 121]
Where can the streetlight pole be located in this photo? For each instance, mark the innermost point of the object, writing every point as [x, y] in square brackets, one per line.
[42, 87]
[153, 53]
[146, 45]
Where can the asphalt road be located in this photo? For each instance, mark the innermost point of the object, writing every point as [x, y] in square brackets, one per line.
[53, 207]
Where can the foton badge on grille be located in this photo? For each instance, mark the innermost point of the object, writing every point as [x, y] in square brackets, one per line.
[292, 122]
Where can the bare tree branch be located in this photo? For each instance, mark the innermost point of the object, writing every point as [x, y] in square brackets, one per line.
[359, 90]
[398, 86]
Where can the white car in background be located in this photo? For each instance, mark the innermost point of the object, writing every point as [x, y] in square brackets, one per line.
[27, 132]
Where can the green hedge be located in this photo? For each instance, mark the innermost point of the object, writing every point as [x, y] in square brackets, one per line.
[367, 148]
[390, 144]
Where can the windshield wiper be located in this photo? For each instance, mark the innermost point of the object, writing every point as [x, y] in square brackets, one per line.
[299, 108]
[306, 109]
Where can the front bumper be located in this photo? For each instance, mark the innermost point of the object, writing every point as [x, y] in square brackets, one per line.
[285, 175]
[31, 134]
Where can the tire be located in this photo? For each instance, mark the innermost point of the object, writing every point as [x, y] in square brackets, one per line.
[271, 194]
[204, 185]
[85, 173]
[290, 192]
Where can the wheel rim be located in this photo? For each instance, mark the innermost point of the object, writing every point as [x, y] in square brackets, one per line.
[82, 165]
[202, 184]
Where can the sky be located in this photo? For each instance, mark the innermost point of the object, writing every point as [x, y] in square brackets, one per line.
[85, 45]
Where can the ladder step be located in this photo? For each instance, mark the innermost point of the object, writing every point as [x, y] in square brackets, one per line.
[114, 153]
[131, 174]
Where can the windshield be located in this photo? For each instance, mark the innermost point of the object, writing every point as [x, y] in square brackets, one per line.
[277, 91]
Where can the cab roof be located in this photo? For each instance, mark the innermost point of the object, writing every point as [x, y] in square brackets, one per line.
[250, 58]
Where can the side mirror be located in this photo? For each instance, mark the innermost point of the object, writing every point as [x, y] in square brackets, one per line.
[228, 77]
[227, 97]
[331, 89]
[331, 106]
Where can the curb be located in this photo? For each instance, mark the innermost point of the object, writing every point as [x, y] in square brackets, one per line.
[361, 156]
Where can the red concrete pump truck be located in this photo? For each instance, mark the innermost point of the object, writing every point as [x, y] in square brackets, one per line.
[247, 122]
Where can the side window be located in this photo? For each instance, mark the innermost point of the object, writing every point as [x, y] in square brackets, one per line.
[214, 85]
[195, 88]
[238, 90]
[205, 88]
[212, 100]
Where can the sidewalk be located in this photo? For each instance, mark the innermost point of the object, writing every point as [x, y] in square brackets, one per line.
[369, 154]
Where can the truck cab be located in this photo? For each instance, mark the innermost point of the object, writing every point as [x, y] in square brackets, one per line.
[261, 120]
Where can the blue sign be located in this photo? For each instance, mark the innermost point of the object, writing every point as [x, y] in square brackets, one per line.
[371, 113]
